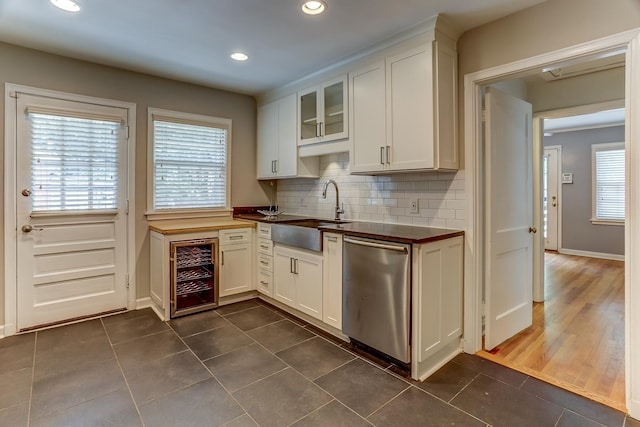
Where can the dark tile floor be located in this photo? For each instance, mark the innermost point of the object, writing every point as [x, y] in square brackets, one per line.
[250, 364]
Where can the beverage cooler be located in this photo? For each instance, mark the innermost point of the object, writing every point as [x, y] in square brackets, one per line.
[194, 276]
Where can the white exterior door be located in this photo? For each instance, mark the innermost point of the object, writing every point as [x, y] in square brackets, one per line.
[71, 196]
[550, 196]
[509, 195]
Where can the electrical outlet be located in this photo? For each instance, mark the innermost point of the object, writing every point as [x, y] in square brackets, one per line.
[413, 206]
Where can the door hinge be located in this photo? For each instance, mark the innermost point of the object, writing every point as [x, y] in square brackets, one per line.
[126, 279]
[484, 316]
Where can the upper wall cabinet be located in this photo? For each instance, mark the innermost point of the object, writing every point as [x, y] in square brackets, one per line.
[277, 152]
[322, 114]
[403, 112]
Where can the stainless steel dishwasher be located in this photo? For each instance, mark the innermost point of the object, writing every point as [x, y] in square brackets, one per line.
[376, 295]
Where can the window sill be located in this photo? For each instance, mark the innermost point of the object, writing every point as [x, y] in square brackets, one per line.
[607, 222]
[184, 214]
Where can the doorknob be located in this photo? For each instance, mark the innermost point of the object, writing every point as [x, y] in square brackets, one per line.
[26, 192]
[28, 228]
[533, 230]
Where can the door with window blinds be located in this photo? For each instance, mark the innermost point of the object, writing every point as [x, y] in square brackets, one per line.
[71, 182]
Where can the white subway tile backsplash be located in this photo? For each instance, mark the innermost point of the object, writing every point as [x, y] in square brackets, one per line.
[384, 198]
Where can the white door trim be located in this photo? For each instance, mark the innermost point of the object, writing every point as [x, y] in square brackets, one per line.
[474, 259]
[10, 193]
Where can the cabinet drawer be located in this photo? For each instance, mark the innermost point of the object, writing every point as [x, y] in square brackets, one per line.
[264, 231]
[236, 235]
[265, 282]
[265, 262]
[265, 246]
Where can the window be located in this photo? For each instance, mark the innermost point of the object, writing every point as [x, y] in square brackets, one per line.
[608, 176]
[74, 162]
[189, 156]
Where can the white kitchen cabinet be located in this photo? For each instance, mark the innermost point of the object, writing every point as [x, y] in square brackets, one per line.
[367, 104]
[277, 152]
[322, 114]
[297, 276]
[437, 291]
[332, 280]
[236, 251]
[264, 256]
[417, 129]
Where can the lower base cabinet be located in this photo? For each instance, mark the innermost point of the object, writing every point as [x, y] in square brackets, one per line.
[236, 251]
[332, 280]
[437, 305]
[297, 277]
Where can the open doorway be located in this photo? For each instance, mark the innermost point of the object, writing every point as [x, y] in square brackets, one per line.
[475, 258]
[576, 339]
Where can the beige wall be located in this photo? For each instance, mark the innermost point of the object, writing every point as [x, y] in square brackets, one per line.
[547, 27]
[32, 68]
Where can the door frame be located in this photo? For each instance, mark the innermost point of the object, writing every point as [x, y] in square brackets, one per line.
[558, 149]
[628, 41]
[10, 194]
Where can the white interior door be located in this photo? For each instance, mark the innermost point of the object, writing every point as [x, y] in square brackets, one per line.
[550, 196]
[71, 180]
[509, 195]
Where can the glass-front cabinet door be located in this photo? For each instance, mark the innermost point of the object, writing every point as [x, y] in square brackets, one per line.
[334, 106]
[309, 122]
[322, 112]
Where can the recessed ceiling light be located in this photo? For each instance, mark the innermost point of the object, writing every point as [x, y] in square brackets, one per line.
[68, 5]
[314, 7]
[239, 56]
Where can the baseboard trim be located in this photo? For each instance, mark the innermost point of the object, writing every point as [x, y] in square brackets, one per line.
[143, 303]
[601, 255]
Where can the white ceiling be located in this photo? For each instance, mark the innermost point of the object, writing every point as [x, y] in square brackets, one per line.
[599, 119]
[191, 40]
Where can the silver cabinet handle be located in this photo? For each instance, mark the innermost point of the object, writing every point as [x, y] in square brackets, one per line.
[388, 154]
[264, 262]
[295, 264]
[291, 266]
[222, 258]
[236, 237]
[264, 246]
[332, 239]
[382, 155]
[375, 245]
[263, 283]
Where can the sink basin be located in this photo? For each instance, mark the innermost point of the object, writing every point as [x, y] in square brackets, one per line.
[302, 233]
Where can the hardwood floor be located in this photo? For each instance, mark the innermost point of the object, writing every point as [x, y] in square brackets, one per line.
[577, 337]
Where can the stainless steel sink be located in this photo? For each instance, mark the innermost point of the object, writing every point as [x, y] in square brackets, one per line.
[303, 233]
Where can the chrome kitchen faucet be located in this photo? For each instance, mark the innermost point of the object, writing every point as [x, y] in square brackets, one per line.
[324, 196]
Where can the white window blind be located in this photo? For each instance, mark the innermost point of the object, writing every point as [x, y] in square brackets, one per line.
[190, 165]
[74, 163]
[609, 181]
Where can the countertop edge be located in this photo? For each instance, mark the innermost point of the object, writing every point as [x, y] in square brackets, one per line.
[446, 234]
[168, 227]
[442, 233]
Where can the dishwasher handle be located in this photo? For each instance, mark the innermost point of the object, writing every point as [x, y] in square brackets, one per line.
[376, 245]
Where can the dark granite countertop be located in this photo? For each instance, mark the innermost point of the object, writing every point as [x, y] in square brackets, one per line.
[270, 219]
[393, 232]
[372, 230]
